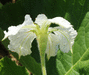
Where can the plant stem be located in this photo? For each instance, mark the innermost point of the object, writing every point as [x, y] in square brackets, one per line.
[42, 38]
[42, 57]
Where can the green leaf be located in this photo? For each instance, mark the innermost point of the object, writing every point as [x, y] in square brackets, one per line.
[53, 8]
[1, 34]
[80, 49]
[82, 2]
[65, 0]
[82, 40]
[6, 41]
[76, 63]
[76, 10]
[51, 66]
[60, 64]
[65, 62]
[11, 14]
[1, 5]
[31, 64]
[8, 67]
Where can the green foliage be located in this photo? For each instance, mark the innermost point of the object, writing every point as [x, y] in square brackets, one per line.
[31, 65]
[75, 11]
[82, 2]
[78, 62]
[8, 67]
[1, 34]
[1, 5]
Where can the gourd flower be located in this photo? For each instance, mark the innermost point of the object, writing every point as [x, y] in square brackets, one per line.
[49, 39]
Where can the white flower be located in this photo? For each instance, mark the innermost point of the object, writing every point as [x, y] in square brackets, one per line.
[21, 36]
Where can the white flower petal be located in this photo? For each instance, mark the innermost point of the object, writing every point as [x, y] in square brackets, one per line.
[40, 20]
[52, 45]
[66, 37]
[12, 30]
[21, 42]
[61, 22]
[28, 20]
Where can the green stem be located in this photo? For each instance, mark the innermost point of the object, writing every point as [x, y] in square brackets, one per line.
[42, 57]
[42, 38]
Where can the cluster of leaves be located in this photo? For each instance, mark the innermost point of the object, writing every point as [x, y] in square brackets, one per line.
[75, 11]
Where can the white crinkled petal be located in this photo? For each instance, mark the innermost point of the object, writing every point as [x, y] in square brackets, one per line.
[52, 45]
[28, 20]
[21, 42]
[41, 18]
[61, 22]
[66, 37]
[73, 34]
[64, 43]
[12, 30]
